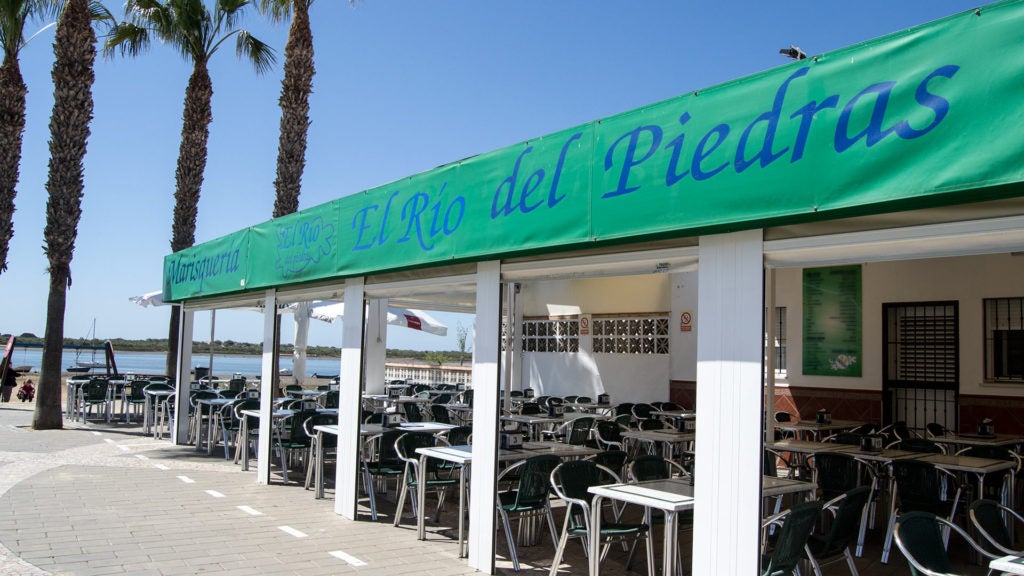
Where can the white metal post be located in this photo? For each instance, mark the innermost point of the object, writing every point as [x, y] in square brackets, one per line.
[727, 486]
[376, 344]
[350, 401]
[267, 391]
[180, 432]
[486, 354]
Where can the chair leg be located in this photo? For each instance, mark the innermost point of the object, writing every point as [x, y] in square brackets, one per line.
[650, 553]
[400, 508]
[560, 547]
[368, 485]
[888, 537]
[510, 539]
[849, 562]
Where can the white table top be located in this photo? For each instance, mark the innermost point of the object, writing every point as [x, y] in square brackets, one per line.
[968, 463]
[433, 427]
[813, 426]
[772, 486]
[660, 435]
[979, 440]
[672, 495]
[809, 447]
[1008, 564]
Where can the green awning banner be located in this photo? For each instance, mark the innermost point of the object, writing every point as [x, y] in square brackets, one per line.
[926, 117]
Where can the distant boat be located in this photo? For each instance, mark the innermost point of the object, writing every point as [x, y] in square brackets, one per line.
[82, 366]
[284, 372]
[325, 376]
[22, 369]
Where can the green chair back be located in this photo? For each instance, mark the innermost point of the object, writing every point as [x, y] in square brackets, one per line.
[987, 516]
[532, 491]
[920, 537]
[789, 547]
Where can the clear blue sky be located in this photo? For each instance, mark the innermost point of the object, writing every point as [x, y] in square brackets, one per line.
[402, 86]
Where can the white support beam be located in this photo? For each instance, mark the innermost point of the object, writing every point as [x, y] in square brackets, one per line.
[267, 392]
[727, 493]
[182, 384]
[350, 401]
[486, 356]
[376, 344]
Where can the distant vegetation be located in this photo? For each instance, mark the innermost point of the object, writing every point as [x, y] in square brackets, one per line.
[232, 347]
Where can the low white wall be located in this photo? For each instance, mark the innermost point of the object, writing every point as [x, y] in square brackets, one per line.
[632, 377]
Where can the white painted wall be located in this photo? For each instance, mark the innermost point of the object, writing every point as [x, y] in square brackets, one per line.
[632, 377]
[621, 294]
[967, 279]
[683, 344]
[625, 377]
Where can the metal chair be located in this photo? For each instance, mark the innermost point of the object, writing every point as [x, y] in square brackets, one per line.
[292, 438]
[94, 394]
[405, 449]
[987, 517]
[919, 537]
[608, 435]
[848, 511]
[326, 446]
[789, 549]
[380, 461]
[529, 497]
[920, 487]
[570, 482]
[575, 432]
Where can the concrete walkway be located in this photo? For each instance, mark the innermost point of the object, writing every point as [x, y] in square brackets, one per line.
[97, 499]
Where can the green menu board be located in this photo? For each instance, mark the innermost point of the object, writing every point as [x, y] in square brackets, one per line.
[832, 321]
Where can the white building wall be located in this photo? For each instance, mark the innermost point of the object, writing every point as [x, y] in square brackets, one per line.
[967, 279]
[684, 342]
[636, 377]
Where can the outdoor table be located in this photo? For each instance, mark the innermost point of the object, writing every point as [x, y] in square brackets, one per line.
[304, 393]
[775, 486]
[153, 398]
[587, 407]
[670, 496]
[678, 418]
[1008, 564]
[812, 429]
[462, 412]
[243, 433]
[667, 438]
[965, 440]
[535, 422]
[213, 406]
[74, 385]
[977, 466]
[463, 455]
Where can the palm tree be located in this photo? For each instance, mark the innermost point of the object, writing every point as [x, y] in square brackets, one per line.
[75, 51]
[296, 87]
[14, 15]
[196, 32]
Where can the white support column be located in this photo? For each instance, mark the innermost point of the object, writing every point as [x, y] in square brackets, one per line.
[770, 321]
[267, 392]
[486, 354]
[516, 320]
[376, 344]
[727, 493]
[180, 433]
[350, 401]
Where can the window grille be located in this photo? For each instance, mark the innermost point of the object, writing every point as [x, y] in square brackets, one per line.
[923, 344]
[1004, 339]
[780, 339]
[551, 335]
[631, 335]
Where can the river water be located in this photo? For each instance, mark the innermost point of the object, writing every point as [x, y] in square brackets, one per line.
[155, 362]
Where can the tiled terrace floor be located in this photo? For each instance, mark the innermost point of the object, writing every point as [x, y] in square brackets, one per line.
[104, 499]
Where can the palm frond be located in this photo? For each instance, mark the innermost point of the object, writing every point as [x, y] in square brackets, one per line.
[260, 54]
[230, 12]
[127, 38]
[277, 10]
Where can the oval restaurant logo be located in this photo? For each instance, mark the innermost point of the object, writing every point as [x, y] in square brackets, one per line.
[303, 244]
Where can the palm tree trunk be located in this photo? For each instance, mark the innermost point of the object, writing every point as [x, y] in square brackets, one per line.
[195, 134]
[48, 392]
[75, 51]
[12, 126]
[296, 87]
